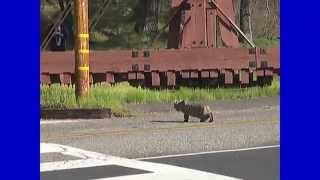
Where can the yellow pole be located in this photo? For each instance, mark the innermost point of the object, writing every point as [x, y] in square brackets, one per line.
[81, 48]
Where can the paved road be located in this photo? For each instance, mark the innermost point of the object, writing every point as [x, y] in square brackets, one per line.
[261, 163]
[257, 164]
[93, 166]
[238, 124]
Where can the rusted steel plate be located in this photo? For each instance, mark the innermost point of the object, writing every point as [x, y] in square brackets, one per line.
[268, 58]
[205, 74]
[185, 74]
[273, 57]
[260, 59]
[260, 73]
[200, 58]
[194, 74]
[110, 77]
[155, 79]
[211, 27]
[115, 61]
[163, 60]
[65, 78]
[228, 77]
[140, 75]
[132, 76]
[45, 78]
[57, 62]
[198, 23]
[214, 74]
[171, 78]
[268, 72]
[147, 68]
[244, 76]
[229, 38]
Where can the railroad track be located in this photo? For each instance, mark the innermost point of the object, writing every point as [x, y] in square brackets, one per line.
[94, 133]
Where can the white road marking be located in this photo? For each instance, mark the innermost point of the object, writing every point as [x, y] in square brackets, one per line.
[92, 159]
[54, 148]
[209, 152]
[50, 148]
[44, 122]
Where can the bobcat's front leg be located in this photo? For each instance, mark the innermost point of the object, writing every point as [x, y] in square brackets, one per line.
[186, 117]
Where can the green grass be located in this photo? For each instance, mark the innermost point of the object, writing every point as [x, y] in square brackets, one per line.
[267, 42]
[118, 96]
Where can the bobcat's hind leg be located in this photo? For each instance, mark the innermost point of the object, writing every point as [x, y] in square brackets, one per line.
[211, 117]
[204, 118]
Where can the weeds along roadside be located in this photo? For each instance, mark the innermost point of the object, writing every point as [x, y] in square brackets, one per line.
[118, 96]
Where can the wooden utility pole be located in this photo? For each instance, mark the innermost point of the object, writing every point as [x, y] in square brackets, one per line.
[81, 48]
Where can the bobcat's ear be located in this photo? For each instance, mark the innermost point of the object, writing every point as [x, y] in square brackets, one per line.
[183, 102]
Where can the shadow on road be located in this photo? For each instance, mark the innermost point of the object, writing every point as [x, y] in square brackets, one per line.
[172, 122]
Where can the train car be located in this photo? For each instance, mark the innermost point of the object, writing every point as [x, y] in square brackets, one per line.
[192, 57]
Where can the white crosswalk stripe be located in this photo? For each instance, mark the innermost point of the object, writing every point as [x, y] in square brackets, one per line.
[89, 159]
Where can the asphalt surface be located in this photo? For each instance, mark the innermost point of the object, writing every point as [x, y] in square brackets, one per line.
[218, 105]
[90, 173]
[159, 130]
[258, 164]
[261, 163]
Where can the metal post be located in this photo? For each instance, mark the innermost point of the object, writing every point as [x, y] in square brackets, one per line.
[233, 24]
[81, 48]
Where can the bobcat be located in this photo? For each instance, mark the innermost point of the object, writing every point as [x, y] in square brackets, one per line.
[202, 112]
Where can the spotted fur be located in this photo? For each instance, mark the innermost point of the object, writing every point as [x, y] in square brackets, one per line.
[202, 112]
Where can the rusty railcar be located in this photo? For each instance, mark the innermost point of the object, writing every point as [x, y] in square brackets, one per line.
[192, 57]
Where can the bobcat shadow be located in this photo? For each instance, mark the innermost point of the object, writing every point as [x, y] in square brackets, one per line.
[180, 122]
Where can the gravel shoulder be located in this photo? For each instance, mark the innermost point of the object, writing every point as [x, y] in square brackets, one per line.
[159, 130]
[219, 105]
